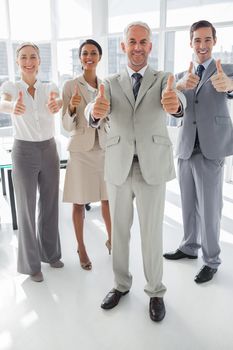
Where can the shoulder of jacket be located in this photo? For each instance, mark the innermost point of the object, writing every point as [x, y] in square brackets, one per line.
[228, 66]
[112, 77]
[71, 82]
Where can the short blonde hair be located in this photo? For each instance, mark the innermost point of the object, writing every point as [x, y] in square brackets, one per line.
[27, 43]
[136, 23]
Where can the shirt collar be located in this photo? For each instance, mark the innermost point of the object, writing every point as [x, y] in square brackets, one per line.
[26, 86]
[141, 71]
[204, 64]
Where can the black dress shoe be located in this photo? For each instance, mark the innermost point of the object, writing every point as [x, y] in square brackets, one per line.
[177, 255]
[112, 299]
[157, 309]
[205, 274]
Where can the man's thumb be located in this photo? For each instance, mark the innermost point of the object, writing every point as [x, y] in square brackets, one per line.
[170, 83]
[219, 66]
[190, 67]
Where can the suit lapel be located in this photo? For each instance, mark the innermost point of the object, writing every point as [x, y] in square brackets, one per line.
[125, 83]
[83, 89]
[148, 79]
[207, 74]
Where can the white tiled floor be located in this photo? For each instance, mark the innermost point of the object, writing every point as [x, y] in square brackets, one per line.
[64, 311]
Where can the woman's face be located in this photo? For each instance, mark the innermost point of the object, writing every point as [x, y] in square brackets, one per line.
[28, 61]
[89, 57]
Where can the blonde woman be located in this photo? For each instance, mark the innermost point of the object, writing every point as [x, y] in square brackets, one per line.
[35, 163]
[84, 181]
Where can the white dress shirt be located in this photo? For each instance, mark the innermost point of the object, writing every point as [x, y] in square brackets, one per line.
[131, 72]
[37, 123]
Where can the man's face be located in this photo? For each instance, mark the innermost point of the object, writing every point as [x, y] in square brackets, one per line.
[137, 46]
[202, 44]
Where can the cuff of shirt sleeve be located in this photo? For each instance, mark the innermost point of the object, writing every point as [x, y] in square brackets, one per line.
[180, 112]
[230, 94]
[95, 123]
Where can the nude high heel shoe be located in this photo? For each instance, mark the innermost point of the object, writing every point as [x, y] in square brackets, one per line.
[85, 265]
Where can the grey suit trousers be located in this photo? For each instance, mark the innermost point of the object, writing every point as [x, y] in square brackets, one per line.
[150, 206]
[36, 167]
[201, 182]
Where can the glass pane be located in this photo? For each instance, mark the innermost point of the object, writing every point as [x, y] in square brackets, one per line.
[5, 119]
[45, 70]
[3, 62]
[178, 52]
[122, 13]
[224, 46]
[186, 12]
[3, 23]
[68, 61]
[74, 18]
[117, 58]
[30, 20]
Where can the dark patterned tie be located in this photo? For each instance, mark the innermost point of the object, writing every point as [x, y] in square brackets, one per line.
[137, 83]
[200, 70]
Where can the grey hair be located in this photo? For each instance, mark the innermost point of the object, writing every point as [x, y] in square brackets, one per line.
[27, 43]
[136, 23]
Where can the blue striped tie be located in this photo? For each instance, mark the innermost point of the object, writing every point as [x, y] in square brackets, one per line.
[137, 83]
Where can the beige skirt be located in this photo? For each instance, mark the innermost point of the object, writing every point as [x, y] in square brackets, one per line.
[84, 179]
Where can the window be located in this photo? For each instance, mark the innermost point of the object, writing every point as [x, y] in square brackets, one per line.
[68, 60]
[185, 12]
[74, 18]
[5, 119]
[30, 20]
[3, 21]
[122, 13]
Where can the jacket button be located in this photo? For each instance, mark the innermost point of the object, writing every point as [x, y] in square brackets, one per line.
[196, 101]
[194, 122]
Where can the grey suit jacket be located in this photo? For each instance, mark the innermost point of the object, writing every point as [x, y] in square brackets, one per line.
[207, 111]
[141, 124]
[82, 137]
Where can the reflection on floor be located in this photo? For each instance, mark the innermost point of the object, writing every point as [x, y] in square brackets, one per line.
[64, 311]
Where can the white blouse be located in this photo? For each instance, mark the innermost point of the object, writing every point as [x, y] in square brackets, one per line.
[37, 123]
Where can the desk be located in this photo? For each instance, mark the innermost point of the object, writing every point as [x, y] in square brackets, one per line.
[6, 165]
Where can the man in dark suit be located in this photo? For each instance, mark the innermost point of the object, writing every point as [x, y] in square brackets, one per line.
[205, 139]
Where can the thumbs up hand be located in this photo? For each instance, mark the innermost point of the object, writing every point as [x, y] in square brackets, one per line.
[170, 100]
[19, 107]
[101, 104]
[189, 80]
[220, 81]
[53, 104]
[75, 100]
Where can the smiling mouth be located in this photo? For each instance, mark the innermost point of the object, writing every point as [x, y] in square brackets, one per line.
[202, 52]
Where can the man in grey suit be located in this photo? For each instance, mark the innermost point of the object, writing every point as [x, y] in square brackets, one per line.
[205, 139]
[138, 161]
